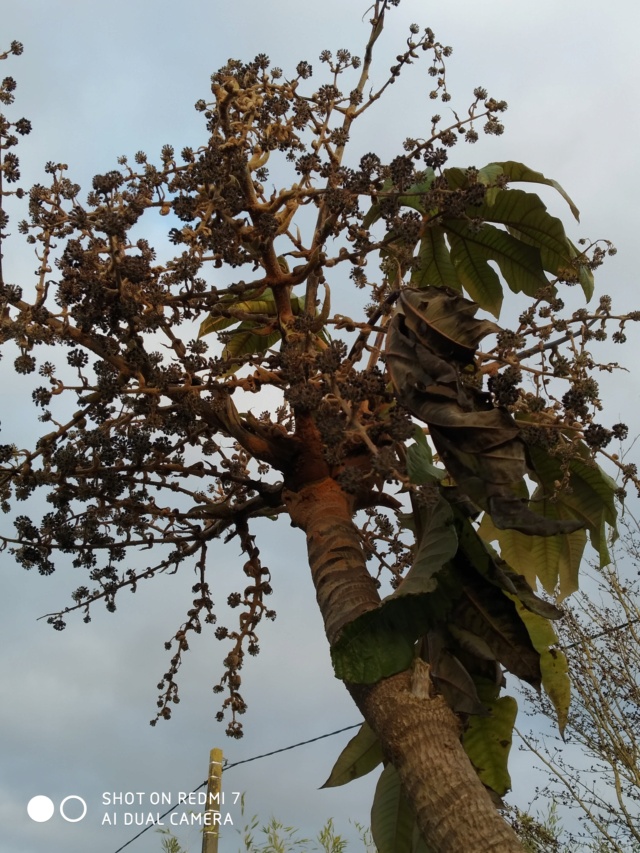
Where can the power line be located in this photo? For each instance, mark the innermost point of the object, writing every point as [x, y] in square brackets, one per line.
[339, 731]
[236, 764]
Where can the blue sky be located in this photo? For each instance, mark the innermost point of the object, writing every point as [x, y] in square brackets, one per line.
[98, 81]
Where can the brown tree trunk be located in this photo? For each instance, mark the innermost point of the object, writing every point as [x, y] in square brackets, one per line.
[420, 734]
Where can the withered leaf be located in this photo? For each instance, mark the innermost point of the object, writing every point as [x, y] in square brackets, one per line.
[431, 339]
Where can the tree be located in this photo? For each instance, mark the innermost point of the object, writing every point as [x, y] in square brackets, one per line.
[599, 634]
[165, 451]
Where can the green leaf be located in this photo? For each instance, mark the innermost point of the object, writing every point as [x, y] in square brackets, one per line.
[591, 493]
[452, 677]
[435, 266]
[553, 663]
[496, 570]
[519, 172]
[378, 644]
[412, 196]
[437, 545]
[392, 821]
[480, 281]
[360, 756]
[554, 560]
[371, 216]
[487, 739]
[528, 216]
[263, 305]
[247, 340]
[420, 467]
[520, 263]
[490, 615]
[381, 642]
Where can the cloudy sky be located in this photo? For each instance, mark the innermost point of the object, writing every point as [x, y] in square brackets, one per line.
[101, 80]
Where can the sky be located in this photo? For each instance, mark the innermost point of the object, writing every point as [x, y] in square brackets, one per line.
[101, 80]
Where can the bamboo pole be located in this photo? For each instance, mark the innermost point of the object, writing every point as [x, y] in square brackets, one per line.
[211, 828]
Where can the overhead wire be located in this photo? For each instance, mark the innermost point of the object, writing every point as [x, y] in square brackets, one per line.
[228, 766]
[236, 764]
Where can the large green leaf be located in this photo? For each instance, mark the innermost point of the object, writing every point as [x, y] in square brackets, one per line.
[528, 216]
[519, 263]
[435, 266]
[393, 825]
[438, 544]
[420, 467]
[381, 642]
[264, 304]
[553, 560]
[248, 339]
[487, 739]
[590, 496]
[491, 616]
[360, 756]
[519, 172]
[409, 198]
[496, 570]
[480, 281]
[553, 663]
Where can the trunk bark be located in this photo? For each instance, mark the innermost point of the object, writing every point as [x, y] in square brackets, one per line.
[419, 733]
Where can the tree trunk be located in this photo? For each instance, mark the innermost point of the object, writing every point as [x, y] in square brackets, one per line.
[419, 733]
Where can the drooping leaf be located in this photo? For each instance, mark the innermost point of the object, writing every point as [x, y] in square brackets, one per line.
[590, 496]
[519, 172]
[393, 825]
[452, 677]
[553, 663]
[430, 341]
[437, 545]
[487, 739]
[435, 266]
[360, 756]
[497, 570]
[553, 560]
[420, 467]
[447, 321]
[381, 642]
[487, 613]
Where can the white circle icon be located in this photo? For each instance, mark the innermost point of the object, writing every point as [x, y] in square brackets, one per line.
[66, 800]
[40, 808]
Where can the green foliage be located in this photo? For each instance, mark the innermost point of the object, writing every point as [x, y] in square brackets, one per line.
[588, 494]
[516, 232]
[487, 738]
[360, 756]
[393, 826]
[381, 642]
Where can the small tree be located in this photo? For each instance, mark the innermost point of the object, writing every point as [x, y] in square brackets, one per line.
[344, 355]
[601, 637]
